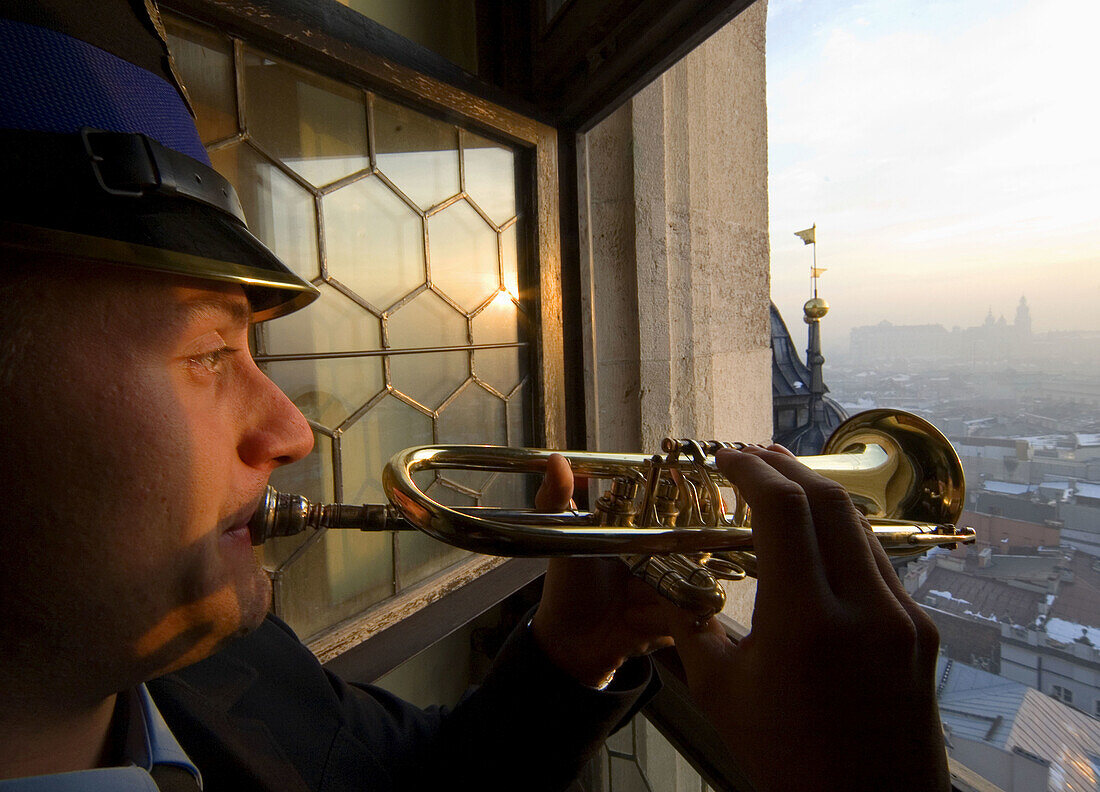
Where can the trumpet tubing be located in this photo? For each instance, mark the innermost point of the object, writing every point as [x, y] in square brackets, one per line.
[666, 514]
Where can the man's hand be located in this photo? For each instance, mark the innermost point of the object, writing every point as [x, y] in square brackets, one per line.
[594, 614]
[834, 687]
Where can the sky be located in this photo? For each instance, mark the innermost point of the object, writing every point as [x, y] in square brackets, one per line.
[949, 153]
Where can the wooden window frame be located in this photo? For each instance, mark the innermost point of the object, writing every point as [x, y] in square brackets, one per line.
[334, 40]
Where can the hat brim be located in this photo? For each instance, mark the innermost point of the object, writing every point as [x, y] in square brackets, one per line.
[273, 290]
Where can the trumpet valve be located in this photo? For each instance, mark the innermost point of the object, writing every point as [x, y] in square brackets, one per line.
[665, 502]
[616, 506]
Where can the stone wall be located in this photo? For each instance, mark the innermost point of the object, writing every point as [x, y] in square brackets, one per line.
[675, 256]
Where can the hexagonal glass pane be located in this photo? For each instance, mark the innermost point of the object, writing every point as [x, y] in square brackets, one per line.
[315, 125]
[511, 491]
[475, 416]
[279, 211]
[626, 774]
[501, 368]
[417, 153]
[301, 595]
[521, 417]
[490, 172]
[374, 241]
[462, 249]
[204, 60]
[367, 445]
[419, 556]
[311, 477]
[449, 496]
[431, 377]
[500, 323]
[426, 321]
[360, 566]
[328, 390]
[332, 323]
[509, 259]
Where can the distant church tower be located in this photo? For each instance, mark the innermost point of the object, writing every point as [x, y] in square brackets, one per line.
[1023, 319]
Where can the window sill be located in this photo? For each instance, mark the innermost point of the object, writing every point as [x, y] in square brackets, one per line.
[376, 641]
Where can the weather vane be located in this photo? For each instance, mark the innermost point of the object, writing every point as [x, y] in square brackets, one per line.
[809, 237]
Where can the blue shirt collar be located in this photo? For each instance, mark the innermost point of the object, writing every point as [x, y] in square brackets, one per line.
[148, 741]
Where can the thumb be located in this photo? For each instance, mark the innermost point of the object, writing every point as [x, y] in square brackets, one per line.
[705, 650]
[557, 485]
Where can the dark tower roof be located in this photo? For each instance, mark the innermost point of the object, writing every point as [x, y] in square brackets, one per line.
[809, 439]
[791, 388]
[790, 376]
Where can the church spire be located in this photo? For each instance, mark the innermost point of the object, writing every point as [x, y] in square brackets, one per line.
[1023, 318]
[814, 311]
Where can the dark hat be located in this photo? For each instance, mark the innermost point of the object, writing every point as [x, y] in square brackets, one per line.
[100, 159]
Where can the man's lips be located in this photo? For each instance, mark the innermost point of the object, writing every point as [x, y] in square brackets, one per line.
[238, 522]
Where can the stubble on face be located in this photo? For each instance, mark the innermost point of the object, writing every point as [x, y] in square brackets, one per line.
[126, 475]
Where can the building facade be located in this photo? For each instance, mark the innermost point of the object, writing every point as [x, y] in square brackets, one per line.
[1068, 669]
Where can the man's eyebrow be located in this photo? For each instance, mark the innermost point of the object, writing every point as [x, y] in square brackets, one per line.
[200, 308]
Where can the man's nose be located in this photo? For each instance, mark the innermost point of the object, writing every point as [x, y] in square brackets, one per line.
[276, 433]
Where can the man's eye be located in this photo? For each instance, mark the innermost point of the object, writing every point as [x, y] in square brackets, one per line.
[212, 361]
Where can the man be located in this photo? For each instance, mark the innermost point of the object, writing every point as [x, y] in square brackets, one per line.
[140, 434]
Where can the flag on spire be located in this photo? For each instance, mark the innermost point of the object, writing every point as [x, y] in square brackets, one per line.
[816, 271]
[807, 235]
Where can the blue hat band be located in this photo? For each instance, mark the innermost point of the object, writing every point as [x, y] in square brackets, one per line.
[56, 83]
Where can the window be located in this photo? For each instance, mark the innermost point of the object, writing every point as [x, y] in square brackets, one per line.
[417, 232]
[1063, 694]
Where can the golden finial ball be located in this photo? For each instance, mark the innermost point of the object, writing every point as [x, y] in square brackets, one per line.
[815, 308]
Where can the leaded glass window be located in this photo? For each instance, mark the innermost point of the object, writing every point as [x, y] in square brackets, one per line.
[411, 227]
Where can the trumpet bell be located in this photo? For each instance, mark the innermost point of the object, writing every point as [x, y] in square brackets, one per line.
[927, 483]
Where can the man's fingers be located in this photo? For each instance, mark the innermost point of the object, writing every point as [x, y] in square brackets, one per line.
[842, 540]
[557, 486]
[706, 651]
[782, 450]
[783, 531]
[928, 640]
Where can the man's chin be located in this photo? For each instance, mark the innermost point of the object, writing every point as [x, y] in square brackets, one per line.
[255, 602]
[204, 630]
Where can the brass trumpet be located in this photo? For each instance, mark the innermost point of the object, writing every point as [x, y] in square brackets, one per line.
[665, 515]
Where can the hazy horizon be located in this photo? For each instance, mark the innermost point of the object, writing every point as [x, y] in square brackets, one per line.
[946, 152]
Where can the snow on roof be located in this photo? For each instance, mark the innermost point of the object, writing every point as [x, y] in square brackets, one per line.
[1043, 441]
[1005, 487]
[1061, 486]
[1068, 632]
[948, 595]
[987, 596]
[1087, 489]
[1087, 439]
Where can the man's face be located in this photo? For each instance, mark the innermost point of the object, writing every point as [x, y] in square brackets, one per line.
[140, 435]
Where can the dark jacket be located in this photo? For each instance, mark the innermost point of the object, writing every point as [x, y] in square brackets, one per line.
[263, 714]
